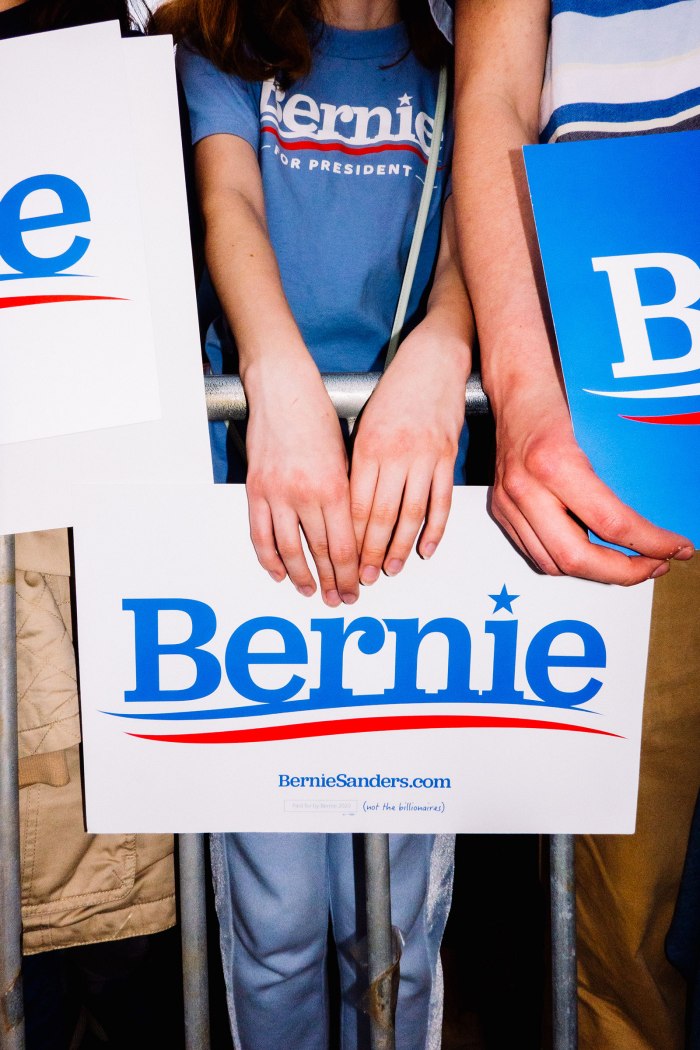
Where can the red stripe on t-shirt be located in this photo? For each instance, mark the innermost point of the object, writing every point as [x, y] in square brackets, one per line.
[341, 147]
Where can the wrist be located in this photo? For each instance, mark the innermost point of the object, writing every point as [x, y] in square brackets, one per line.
[521, 399]
[440, 342]
[267, 362]
[520, 373]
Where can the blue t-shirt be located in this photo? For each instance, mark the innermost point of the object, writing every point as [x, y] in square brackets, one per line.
[343, 155]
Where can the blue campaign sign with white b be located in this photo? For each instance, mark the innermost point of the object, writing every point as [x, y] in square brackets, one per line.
[469, 693]
[618, 223]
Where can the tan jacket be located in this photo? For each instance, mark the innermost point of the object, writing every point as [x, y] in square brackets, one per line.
[76, 888]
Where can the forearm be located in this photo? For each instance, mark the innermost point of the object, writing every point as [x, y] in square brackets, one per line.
[246, 277]
[407, 439]
[544, 484]
[449, 321]
[297, 467]
[496, 113]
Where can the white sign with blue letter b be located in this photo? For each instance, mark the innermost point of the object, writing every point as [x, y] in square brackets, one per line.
[100, 366]
[468, 694]
[76, 337]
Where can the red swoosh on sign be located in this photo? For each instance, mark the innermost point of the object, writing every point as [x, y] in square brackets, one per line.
[684, 419]
[38, 300]
[341, 727]
[333, 146]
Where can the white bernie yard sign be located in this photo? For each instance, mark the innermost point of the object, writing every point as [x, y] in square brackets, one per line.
[100, 370]
[467, 694]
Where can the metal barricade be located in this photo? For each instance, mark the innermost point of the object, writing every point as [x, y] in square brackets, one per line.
[11, 1003]
[563, 912]
[226, 400]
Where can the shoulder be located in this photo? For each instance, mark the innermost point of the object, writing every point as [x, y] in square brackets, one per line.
[218, 102]
[196, 70]
[191, 62]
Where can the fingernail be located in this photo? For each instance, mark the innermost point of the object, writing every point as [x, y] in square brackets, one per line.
[370, 574]
[277, 576]
[331, 598]
[393, 567]
[307, 590]
[428, 550]
[349, 598]
[683, 553]
[661, 571]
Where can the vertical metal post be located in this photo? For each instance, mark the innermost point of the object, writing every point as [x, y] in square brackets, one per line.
[564, 982]
[380, 953]
[193, 926]
[11, 1002]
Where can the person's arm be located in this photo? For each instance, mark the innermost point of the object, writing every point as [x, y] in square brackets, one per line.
[297, 466]
[404, 452]
[545, 488]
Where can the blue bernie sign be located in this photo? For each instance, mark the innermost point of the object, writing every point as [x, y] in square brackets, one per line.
[618, 222]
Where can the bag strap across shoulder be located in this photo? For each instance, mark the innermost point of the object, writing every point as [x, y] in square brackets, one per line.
[421, 220]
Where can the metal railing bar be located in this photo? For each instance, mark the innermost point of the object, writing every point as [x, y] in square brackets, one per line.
[381, 970]
[349, 392]
[193, 932]
[563, 910]
[11, 1000]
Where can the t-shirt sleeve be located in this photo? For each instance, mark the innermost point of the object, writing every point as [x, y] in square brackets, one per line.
[219, 103]
[443, 13]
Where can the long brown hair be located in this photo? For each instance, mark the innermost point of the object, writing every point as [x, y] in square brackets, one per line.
[260, 39]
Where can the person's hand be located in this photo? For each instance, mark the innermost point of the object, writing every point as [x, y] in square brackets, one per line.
[404, 453]
[297, 477]
[546, 495]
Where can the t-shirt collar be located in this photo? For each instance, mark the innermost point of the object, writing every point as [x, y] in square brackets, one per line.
[390, 42]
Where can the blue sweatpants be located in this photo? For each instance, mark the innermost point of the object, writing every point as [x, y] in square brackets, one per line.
[273, 897]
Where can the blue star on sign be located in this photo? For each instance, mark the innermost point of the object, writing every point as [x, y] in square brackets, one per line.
[503, 600]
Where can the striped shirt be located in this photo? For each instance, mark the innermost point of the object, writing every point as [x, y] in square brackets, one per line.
[621, 67]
